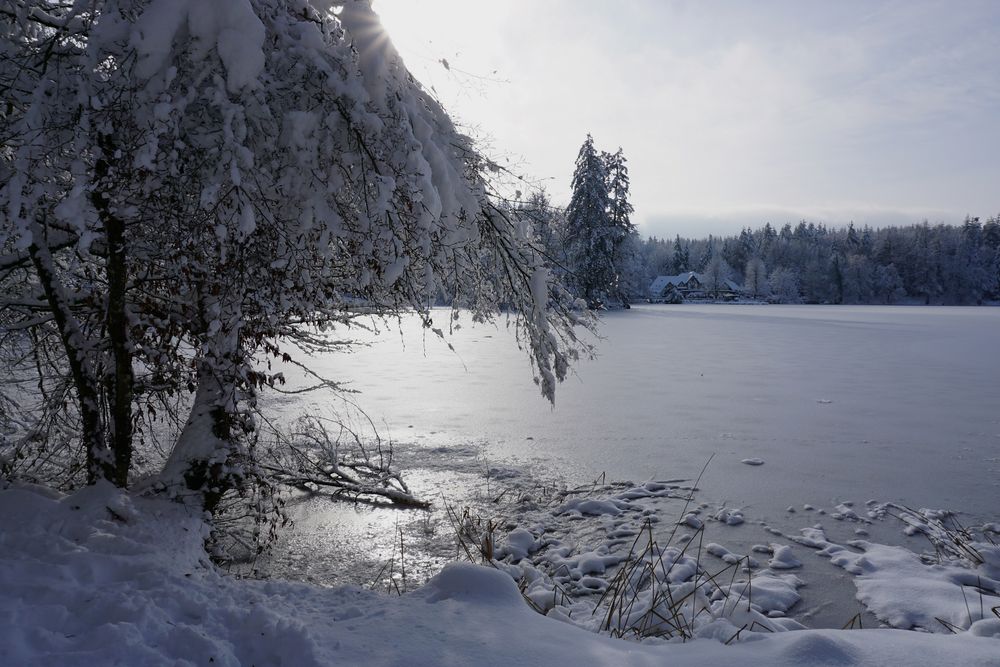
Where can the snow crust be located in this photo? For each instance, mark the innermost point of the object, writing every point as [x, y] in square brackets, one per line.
[101, 577]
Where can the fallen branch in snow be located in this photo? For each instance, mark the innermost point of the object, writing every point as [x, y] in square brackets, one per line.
[325, 454]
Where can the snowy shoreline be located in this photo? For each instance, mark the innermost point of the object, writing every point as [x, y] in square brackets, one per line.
[102, 577]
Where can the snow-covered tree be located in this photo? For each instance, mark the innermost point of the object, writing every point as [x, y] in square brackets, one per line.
[784, 286]
[655, 257]
[548, 227]
[887, 285]
[625, 238]
[190, 187]
[633, 281]
[708, 253]
[975, 273]
[857, 279]
[939, 263]
[924, 263]
[598, 224]
[716, 273]
[619, 208]
[755, 277]
[682, 257]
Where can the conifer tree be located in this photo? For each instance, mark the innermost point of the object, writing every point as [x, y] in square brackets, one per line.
[589, 237]
[681, 256]
[624, 236]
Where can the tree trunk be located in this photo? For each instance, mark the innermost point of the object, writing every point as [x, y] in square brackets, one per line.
[99, 464]
[201, 460]
[121, 379]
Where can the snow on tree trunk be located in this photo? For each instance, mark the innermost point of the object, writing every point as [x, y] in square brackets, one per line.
[202, 460]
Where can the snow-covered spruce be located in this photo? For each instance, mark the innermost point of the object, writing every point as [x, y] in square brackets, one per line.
[598, 227]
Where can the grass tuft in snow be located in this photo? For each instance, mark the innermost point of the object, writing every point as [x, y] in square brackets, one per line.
[392, 575]
[950, 539]
[668, 591]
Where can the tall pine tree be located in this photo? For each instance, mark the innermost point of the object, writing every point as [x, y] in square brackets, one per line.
[681, 256]
[624, 235]
[598, 224]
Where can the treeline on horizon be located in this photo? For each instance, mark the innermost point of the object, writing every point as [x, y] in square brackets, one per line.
[813, 263]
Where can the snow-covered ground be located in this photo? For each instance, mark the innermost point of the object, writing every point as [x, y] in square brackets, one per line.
[101, 578]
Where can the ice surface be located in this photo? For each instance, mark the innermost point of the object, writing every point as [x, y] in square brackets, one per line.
[913, 396]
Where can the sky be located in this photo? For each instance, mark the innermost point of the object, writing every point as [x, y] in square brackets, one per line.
[731, 114]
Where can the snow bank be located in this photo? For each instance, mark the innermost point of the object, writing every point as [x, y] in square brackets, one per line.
[100, 577]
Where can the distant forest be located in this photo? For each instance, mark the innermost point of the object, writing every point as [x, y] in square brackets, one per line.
[813, 263]
[596, 252]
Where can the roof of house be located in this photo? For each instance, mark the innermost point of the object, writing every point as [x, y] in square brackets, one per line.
[661, 282]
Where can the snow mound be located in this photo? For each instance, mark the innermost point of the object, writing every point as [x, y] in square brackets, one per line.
[594, 507]
[729, 557]
[728, 516]
[783, 558]
[987, 627]
[768, 592]
[906, 591]
[519, 544]
[472, 584]
[821, 650]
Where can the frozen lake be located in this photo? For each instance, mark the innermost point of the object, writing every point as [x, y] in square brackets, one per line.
[842, 403]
